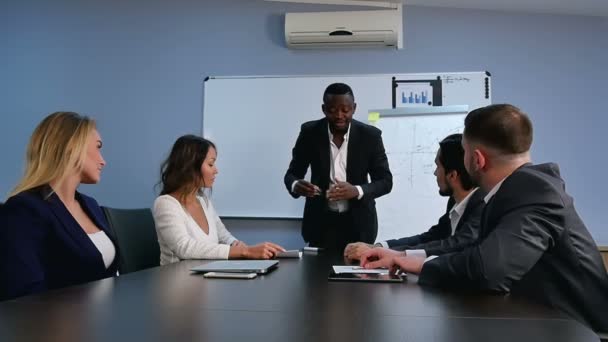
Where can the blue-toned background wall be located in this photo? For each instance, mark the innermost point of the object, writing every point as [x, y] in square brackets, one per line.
[138, 68]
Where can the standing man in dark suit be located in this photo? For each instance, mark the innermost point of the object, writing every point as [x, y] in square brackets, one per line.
[458, 227]
[341, 152]
[532, 242]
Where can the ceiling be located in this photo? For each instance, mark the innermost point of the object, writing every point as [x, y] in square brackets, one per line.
[572, 7]
[575, 7]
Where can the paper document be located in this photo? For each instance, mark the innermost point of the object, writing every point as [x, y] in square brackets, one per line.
[290, 254]
[359, 269]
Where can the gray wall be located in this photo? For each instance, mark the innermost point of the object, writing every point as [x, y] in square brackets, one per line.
[138, 66]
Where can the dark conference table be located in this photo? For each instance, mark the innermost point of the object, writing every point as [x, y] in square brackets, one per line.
[295, 302]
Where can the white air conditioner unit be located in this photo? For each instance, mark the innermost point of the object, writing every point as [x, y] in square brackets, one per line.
[344, 29]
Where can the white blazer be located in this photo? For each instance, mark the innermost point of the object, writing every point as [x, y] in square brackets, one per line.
[180, 237]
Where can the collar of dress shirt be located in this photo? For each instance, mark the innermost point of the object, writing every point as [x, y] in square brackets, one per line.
[462, 206]
[331, 136]
[492, 192]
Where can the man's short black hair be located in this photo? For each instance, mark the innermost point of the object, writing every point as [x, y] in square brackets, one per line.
[337, 89]
[502, 127]
[451, 157]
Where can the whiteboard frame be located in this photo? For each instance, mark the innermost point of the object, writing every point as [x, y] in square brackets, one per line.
[415, 111]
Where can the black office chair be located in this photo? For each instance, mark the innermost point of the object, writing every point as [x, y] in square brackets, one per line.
[136, 236]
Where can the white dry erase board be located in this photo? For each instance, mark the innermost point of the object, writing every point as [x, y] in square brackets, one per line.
[255, 120]
[411, 137]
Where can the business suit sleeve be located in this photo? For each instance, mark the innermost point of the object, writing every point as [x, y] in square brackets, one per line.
[22, 237]
[503, 257]
[380, 174]
[172, 232]
[465, 237]
[439, 231]
[300, 160]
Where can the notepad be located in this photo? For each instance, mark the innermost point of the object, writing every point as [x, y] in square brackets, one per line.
[359, 270]
[290, 254]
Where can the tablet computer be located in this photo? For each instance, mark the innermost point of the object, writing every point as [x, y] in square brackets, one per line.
[368, 277]
[230, 275]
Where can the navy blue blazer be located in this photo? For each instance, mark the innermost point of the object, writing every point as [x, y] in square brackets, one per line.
[42, 247]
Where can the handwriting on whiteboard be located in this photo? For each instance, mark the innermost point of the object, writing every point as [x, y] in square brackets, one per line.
[454, 79]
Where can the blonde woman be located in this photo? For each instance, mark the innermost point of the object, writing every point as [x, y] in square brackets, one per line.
[51, 235]
[187, 224]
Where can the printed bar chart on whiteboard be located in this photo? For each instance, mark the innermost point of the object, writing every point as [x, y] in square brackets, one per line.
[415, 94]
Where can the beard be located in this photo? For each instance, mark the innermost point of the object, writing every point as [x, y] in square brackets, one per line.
[473, 174]
[447, 192]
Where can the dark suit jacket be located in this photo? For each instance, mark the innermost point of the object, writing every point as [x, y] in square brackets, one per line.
[439, 239]
[532, 244]
[42, 246]
[366, 156]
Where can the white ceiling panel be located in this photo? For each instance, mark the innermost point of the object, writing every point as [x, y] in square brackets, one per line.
[571, 7]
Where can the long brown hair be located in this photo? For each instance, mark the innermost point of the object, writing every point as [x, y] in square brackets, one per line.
[181, 172]
[57, 147]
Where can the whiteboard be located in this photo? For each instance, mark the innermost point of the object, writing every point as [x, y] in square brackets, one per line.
[255, 121]
[411, 143]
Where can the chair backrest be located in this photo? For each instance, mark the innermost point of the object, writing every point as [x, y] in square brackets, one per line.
[604, 253]
[136, 236]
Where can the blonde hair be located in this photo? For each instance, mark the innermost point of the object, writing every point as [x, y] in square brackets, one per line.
[57, 147]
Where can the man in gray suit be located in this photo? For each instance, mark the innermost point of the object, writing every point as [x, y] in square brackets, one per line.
[532, 242]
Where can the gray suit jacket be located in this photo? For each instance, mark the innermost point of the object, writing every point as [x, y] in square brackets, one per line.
[532, 244]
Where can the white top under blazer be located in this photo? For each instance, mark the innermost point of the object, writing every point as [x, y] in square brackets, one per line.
[104, 246]
[180, 237]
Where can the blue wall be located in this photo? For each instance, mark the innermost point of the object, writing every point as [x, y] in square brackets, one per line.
[138, 66]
